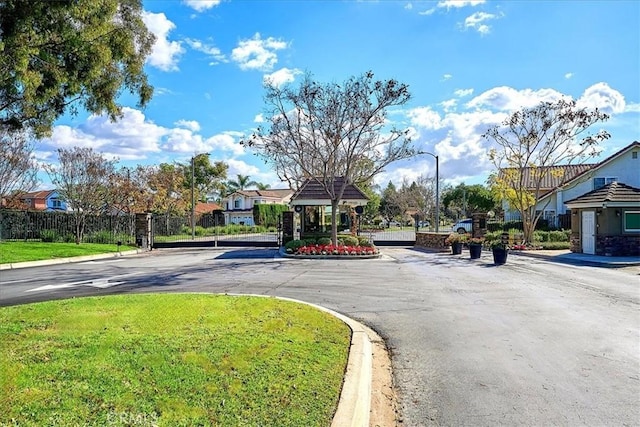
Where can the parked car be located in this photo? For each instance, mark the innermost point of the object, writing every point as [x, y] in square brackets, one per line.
[423, 224]
[463, 226]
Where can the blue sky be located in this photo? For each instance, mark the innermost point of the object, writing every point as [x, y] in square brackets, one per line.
[468, 63]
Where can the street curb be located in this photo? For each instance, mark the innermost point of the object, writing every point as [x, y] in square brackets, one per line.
[55, 261]
[581, 259]
[354, 406]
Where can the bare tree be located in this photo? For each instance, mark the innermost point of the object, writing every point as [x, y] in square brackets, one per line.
[81, 178]
[530, 143]
[328, 131]
[18, 168]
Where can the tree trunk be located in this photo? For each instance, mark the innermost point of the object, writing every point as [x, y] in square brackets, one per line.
[334, 223]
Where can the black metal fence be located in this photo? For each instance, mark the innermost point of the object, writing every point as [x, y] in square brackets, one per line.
[210, 230]
[61, 227]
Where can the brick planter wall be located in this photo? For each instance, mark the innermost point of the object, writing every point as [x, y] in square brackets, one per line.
[434, 241]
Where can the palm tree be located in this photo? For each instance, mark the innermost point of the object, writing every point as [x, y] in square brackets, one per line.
[240, 183]
[261, 186]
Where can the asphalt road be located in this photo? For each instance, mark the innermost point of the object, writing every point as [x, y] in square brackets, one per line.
[527, 343]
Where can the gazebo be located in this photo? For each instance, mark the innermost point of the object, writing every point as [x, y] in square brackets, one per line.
[313, 204]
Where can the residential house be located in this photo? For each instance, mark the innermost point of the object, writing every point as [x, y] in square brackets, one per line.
[552, 178]
[606, 221]
[602, 202]
[208, 214]
[44, 200]
[566, 182]
[239, 204]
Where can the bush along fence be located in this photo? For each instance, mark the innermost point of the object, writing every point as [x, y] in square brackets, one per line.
[48, 226]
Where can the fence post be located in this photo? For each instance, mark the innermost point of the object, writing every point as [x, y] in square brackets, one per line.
[143, 231]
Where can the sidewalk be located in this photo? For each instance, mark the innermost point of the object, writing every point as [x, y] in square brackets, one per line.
[568, 257]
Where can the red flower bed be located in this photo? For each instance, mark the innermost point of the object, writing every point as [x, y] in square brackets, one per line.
[336, 250]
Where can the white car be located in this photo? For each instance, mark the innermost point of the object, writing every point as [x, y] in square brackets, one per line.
[463, 226]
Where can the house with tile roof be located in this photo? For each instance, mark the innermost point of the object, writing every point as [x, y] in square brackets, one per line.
[239, 204]
[606, 221]
[571, 181]
[43, 200]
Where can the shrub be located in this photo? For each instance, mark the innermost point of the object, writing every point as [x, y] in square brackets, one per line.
[102, 237]
[556, 245]
[364, 241]
[49, 236]
[541, 236]
[324, 241]
[559, 236]
[350, 240]
[293, 245]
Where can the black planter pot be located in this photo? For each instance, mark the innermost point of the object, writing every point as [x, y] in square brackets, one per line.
[456, 248]
[499, 256]
[475, 251]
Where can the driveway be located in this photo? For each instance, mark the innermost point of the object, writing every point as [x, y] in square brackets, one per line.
[527, 343]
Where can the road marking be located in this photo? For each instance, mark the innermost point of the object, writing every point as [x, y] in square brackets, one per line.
[102, 283]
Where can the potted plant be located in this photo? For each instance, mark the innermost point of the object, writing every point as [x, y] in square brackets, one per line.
[500, 251]
[475, 247]
[456, 240]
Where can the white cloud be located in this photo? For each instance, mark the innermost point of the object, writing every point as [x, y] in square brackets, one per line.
[568, 75]
[463, 92]
[259, 118]
[408, 6]
[131, 137]
[427, 12]
[201, 5]
[184, 141]
[459, 3]
[225, 142]
[603, 97]
[632, 108]
[476, 22]
[257, 54]
[282, 76]
[207, 49]
[425, 117]
[446, 77]
[504, 98]
[240, 167]
[192, 125]
[164, 54]
[449, 105]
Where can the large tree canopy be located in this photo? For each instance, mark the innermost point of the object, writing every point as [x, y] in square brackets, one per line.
[69, 53]
[533, 140]
[18, 168]
[325, 131]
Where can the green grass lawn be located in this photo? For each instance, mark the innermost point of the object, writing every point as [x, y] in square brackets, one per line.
[170, 360]
[11, 252]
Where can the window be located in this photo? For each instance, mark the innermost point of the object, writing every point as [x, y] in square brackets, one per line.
[602, 181]
[634, 154]
[632, 221]
[56, 203]
[236, 204]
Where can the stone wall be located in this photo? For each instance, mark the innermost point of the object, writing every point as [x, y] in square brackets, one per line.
[618, 245]
[434, 241]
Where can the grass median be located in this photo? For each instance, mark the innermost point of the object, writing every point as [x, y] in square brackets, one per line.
[170, 360]
[12, 252]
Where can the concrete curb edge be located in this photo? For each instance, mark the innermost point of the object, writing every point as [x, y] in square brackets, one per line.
[354, 405]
